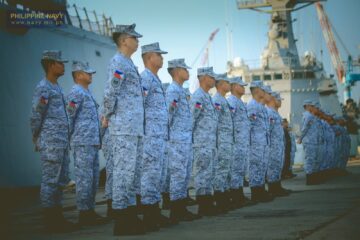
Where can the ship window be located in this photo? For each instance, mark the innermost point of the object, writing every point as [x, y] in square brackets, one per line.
[267, 77]
[98, 53]
[298, 75]
[278, 76]
[256, 77]
[309, 75]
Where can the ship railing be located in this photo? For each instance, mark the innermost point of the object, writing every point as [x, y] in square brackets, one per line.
[90, 20]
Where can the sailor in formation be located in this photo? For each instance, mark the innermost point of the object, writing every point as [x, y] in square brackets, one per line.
[155, 140]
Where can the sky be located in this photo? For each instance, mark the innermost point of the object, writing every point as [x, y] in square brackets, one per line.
[183, 27]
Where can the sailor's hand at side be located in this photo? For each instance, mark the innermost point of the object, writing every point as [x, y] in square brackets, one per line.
[104, 122]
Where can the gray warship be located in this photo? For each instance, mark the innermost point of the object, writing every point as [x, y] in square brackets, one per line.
[79, 39]
[295, 78]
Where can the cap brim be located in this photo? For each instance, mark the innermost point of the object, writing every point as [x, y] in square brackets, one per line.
[184, 67]
[90, 71]
[135, 34]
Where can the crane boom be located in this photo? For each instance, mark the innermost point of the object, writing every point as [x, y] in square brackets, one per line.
[330, 42]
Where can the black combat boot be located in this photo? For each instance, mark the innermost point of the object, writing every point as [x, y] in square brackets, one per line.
[255, 194]
[185, 214]
[139, 206]
[312, 179]
[150, 218]
[206, 206]
[90, 218]
[235, 199]
[189, 201]
[265, 195]
[137, 225]
[109, 211]
[55, 222]
[162, 220]
[175, 212]
[239, 199]
[165, 201]
[124, 225]
[276, 190]
[227, 200]
[219, 198]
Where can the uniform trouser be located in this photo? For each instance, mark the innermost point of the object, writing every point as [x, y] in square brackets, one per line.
[107, 150]
[152, 162]
[222, 167]
[86, 163]
[54, 175]
[292, 160]
[127, 155]
[203, 169]
[189, 170]
[353, 144]
[180, 158]
[276, 162]
[324, 161]
[257, 164]
[311, 157]
[238, 165]
[345, 153]
[165, 175]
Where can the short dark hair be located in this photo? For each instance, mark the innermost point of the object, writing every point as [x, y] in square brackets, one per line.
[115, 37]
[171, 71]
[46, 63]
[350, 100]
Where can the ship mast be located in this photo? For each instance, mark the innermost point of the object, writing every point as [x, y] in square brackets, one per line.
[281, 51]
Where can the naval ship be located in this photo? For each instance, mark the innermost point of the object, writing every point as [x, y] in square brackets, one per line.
[295, 78]
[79, 38]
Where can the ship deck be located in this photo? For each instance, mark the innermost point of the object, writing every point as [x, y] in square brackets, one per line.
[327, 211]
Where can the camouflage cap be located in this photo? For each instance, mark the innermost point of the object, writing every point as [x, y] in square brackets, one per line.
[256, 84]
[222, 77]
[53, 55]
[317, 105]
[206, 71]
[82, 66]
[266, 89]
[177, 63]
[127, 29]
[308, 102]
[153, 47]
[238, 80]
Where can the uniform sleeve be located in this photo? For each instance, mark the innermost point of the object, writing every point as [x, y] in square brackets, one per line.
[172, 99]
[102, 129]
[146, 81]
[307, 122]
[251, 112]
[116, 76]
[219, 107]
[232, 107]
[196, 107]
[40, 104]
[73, 105]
